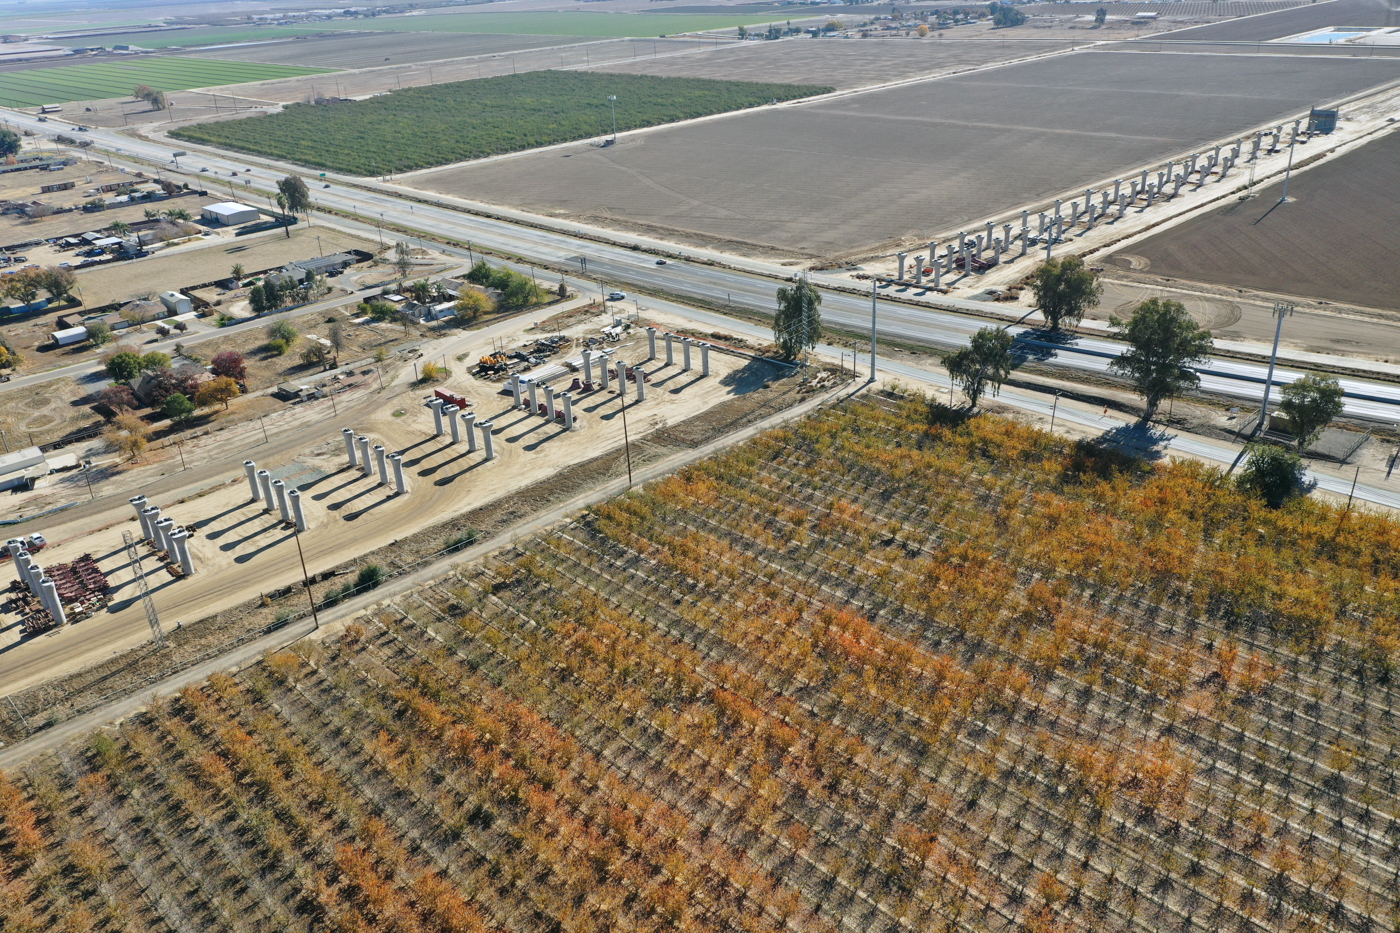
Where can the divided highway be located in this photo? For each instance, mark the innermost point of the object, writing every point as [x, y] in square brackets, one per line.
[605, 266]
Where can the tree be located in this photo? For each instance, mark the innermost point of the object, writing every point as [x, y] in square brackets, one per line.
[119, 228]
[336, 335]
[743, 32]
[922, 31]
[378, 309]
[9, 143]
[116, 399]
[1310, 404]
[1271, 473]
[167, 382]
[177, 407]
[1100, 16]
[276, 347]
[99, 333]
[1004, 15]
[797, 325]
[154, 360]
[431, 371]
[59, 283]
[286, 219]
[123, 366]
[472, 304]
[314, 353]
[9, 356]
[283, 331]
[211, 393]
[1064, 289]
[150, 95]
[178, 214]
[127, 433]
[986, 361]
[297, 196]
[229, 363]
[22, 286]
[421, 291]
[238, 272]
[403, 258]
[257, 301]
[1163, 344]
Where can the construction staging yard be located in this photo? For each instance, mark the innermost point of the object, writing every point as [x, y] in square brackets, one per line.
[1323, 243]
[241, 552]
[951, 150]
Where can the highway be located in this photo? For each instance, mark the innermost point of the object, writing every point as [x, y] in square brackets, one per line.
[606, 266]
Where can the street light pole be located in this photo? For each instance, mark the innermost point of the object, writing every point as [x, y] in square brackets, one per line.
[1282, 309]
[872, 329]
[612, 102]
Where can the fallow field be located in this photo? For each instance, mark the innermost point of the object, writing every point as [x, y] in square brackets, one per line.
[887, 669]
[64, 83]
[420, 127]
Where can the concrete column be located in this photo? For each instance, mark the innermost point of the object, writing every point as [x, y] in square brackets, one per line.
[1117, 188]
[604, 380]
[396, 460]
[549, 401]
[948, 259]
[933, 252]
[381, 457]
[1177, 183]
[669, 357]
[1103, 201]
[153, 515]
[1235, 150]
[704, 359]
[1192, 169]
[990, 227]
[641, 383]
[1025, 220]
[36, 573]
[251, 470]
[52, 602]
[1122, 207]
[651, 343]
[485, 427]
[621, 376]
[938, 271]
[22, 564]
[918, 270]
[900, 276]
[179, 538]
[1278, 134]
[685, 354]
[265, 484]
[568, 401]
[1006, 234]
[364, 455]
[1142, 183]
[1057, 210]
[144, 517]
[163, 529]
[1073, 212]
[1040, 230]
[279, 489]
[298, 516]
[449, 418]
[533, 392]
[1151, 193]
[1254, 149]
[469, 427]
[587, 366]
[436, 405]
[515, 379]
[1089, 206]
[1225, 165]
[966, 259]
[962, 242]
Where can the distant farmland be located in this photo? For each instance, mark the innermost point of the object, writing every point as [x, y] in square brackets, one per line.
[208, 35]
[425, 126]
[116, 79]
[615, 25]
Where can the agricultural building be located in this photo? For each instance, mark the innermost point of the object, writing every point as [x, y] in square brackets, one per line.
[175, 302]
[69, 336]
[230, 213]
[21, 467]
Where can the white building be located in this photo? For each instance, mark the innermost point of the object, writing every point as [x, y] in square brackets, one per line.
[175, 302]
[22, 466]
[230, 213]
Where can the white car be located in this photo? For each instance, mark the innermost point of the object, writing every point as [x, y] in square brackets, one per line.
[617, 296]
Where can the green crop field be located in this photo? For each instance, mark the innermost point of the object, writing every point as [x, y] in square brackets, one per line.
[117, 79]
[612, 25]
[425, 126]
[184, 38]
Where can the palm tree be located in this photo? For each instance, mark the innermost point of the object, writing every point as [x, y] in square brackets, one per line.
[178, 213]
[238, 272]
[152, 214]
[286, 222]
[119, 228]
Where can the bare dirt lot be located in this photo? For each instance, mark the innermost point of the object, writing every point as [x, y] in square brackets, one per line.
[840, 64]
[371, 50]
[1291, 22]
[846, 176]
[1333, 240]
[188, 267]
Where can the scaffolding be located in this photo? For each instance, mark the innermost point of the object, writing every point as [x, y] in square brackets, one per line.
[131, 551]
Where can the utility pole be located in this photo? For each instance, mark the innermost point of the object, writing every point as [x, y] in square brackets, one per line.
[612, 102]
[1293, 144]
[1282, 309]
[306, 580]
[872, 328]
